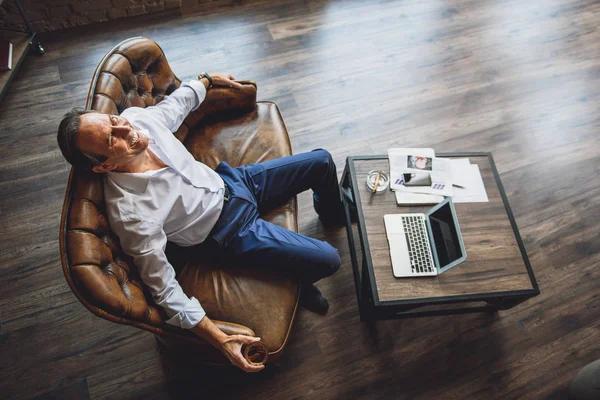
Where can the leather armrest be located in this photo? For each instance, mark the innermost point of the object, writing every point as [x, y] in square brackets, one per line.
[220, 99]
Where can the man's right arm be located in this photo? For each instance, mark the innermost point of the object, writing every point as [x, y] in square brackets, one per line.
[174, 108]
[145, 241]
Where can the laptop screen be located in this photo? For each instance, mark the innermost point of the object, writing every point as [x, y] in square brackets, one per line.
[447, 244]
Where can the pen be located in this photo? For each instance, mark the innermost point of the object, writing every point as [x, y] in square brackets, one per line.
[376, 182]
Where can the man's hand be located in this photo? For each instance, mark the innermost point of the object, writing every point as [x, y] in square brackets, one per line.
[221, 79]
[231, 346]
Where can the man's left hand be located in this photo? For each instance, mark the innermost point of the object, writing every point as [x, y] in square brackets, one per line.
[224, 79]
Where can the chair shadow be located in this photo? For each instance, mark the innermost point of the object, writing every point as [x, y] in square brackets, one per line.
[188, 378]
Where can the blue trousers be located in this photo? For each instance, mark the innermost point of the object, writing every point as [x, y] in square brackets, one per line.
[241, 236]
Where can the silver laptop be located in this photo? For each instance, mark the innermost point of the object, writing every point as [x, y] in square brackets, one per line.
[425, 244]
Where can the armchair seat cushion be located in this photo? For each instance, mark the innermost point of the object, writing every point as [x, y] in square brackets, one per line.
[260, 299]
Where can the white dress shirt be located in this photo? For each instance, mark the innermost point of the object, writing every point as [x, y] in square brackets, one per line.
[180, 203]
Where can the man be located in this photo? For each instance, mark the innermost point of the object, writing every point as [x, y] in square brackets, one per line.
[156, 191]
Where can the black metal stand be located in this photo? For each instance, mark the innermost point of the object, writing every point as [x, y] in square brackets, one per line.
[25, 41]
[35, 41]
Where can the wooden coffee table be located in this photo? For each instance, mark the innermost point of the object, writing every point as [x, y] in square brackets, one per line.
[497, 274]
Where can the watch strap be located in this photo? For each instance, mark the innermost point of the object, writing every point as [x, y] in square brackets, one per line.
[207, 76]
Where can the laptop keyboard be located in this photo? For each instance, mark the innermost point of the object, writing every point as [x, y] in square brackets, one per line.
[418, 244]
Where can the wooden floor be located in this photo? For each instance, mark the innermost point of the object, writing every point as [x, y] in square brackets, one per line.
[519, 79]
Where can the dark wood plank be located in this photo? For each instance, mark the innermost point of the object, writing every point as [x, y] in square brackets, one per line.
[76, 390]
[519, 79]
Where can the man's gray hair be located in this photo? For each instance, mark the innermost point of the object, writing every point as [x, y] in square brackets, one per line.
[67, 140]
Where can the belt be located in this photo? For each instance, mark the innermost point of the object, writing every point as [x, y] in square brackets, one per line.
[226, 192]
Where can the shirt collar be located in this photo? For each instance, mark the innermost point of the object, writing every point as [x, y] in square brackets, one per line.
[132, 182]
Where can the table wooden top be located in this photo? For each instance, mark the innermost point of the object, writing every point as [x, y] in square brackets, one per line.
[494, 261]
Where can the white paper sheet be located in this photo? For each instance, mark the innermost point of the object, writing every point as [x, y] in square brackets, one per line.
[461, 171]
[474, 190]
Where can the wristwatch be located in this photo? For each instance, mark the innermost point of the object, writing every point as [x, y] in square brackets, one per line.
[207, 76]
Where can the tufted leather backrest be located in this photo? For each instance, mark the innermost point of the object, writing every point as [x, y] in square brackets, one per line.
[102, 274]
[105, 280]
[134, 73]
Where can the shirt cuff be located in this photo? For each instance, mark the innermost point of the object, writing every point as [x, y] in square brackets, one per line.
[200, 90]
[190, 316]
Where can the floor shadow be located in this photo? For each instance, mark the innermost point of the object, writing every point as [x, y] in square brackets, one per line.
[190, 379]
[449, 348]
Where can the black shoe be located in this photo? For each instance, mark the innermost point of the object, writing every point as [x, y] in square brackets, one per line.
[312, 299]
[335, 216]
[332, 219]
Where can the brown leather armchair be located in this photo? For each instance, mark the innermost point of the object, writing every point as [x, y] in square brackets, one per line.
[229, 126]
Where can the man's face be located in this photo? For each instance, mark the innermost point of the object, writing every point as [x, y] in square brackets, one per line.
[110, 136]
